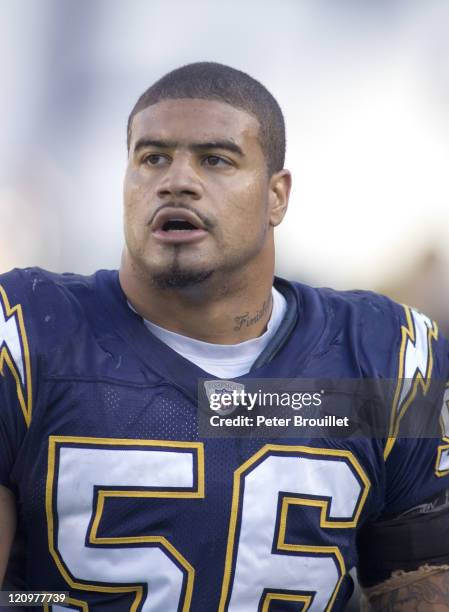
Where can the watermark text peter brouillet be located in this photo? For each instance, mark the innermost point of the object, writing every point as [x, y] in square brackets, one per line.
[247, 400]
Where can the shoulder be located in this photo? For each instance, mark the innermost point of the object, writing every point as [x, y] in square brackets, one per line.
[21, 283]
[35, 286]
[357, 305]
[361, 306]
[356, 310]
[371, 320]
[44, 304]
[383, 336]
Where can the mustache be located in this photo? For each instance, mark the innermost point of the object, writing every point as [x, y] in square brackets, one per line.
[207, 222]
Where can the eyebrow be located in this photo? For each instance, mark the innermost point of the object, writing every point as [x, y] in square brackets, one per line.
[226, 145]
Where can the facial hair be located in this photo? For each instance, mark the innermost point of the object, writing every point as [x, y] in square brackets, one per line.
[175, 277]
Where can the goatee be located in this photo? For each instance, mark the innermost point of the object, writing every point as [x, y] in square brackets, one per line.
[180, 279]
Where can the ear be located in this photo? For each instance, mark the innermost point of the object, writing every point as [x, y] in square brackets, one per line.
[279, 193]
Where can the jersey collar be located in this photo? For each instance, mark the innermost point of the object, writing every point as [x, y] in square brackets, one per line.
[285, 356]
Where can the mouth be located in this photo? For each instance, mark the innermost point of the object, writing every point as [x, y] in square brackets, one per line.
[177, 225]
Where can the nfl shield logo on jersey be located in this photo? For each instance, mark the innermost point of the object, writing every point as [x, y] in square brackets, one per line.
[216, 388]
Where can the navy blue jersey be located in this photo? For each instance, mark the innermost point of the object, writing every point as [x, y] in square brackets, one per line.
[122, 503]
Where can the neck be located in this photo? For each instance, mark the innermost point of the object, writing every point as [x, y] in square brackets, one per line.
[225, 309]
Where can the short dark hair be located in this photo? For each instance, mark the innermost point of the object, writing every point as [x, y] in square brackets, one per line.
[212, 81]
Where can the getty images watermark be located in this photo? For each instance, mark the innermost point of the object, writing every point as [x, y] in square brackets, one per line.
[267, 402]
[313, 408]
[239, 398]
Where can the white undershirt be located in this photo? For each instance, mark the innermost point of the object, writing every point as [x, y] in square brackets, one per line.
[224, 360]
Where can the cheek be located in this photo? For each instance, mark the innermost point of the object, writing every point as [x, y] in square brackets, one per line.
[249, 208]
[135, 213]
[135, 197]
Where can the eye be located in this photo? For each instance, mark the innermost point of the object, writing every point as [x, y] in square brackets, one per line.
[154, 159]
[216, 160]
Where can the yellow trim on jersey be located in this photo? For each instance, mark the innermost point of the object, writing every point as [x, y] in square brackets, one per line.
[24, 391]
[408, 335]
[269, 597]
[318, 550]
[315, 503]
[81, 606]
[198, 447]
[443, 447]
[324, 522]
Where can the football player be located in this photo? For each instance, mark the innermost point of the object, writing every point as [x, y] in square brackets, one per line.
[118, 497]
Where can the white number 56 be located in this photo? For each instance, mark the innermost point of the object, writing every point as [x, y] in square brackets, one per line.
[261, 565]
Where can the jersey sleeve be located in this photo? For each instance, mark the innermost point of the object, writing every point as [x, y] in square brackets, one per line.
[417, 448]
[16, 380]
[409, 528]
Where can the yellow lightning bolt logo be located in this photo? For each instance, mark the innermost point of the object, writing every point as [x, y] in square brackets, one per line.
[442, 463]
[415, 367]
[15, 353]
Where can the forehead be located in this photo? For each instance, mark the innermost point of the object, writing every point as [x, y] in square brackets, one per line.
[192, 120]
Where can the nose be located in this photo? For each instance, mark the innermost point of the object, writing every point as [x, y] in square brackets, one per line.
[180, 180]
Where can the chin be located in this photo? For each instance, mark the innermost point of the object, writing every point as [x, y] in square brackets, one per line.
[176, 278]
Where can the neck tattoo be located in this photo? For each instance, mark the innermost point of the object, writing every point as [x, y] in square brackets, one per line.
[246, 320]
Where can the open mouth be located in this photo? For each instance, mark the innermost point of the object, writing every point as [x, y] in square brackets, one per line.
[176, 225]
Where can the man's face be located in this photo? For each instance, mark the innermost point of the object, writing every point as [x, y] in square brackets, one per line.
[196, 191]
